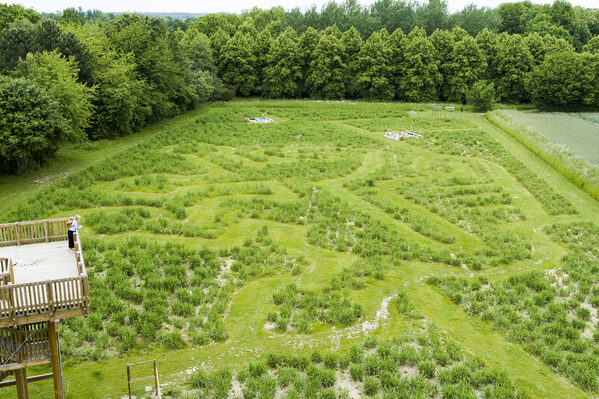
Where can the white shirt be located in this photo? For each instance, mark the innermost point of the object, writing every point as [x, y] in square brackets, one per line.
[75, 226]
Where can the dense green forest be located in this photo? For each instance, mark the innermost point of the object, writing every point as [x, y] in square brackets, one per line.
[77, 75]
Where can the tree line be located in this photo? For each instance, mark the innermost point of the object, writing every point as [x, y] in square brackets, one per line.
[67, 79]
[80, 75]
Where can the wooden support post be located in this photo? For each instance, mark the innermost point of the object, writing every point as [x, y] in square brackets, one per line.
[129, 380]
[50, 298]
[55, 359]
[156, 380]
[46, 230]
[21, 379]
[17, 234]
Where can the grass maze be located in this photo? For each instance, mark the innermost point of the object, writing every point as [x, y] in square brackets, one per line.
[214, 241]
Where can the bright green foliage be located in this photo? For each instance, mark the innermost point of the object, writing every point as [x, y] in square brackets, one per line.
[158, 58]
[121, 103]
[307, 42]
[593, 45]
[562, 80]
[542, 24]
[444, 41]
[373, 79]
[327, 74]
[262, 48]
[217, 41]
[212, 23]
[352, 43]
[487, 43]
[31, 124]
[511, 17]
[421, 71]
[541, 46]
[15, 42]
[397, 42]
[59, 77]
[14, 12]
[466, 66]
[197, 48]
[237, 63]
[283, 74]
[514, 62]
[481, 96]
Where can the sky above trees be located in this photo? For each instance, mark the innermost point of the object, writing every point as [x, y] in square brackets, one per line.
[233, 6]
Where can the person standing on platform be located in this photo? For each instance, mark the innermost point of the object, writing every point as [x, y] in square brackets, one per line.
[73, 226]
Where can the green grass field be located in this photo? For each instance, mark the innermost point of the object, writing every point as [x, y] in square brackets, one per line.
[578, 132]
[362, 265]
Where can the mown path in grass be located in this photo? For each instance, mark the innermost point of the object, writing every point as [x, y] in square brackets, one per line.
[246, 315]
[71, 158]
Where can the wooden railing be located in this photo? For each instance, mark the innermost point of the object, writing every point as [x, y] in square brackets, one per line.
[31, 232]
[6, 271]
[24, 343]
[43, 300]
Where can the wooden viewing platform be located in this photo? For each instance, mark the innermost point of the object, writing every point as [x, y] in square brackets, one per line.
[43, 280]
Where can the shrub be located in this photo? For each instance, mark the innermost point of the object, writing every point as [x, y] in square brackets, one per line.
[481, 96]
[371, 386]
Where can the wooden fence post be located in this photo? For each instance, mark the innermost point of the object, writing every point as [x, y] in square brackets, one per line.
[17, 234]
[50, 298]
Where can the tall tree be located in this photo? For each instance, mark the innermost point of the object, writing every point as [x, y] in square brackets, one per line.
[352, 43]
[421, 70]
[561, 80]
[444, 42]
[394, 14]
[15, 42]
[487, 42]
[514, 62]
[15, 12]
[238, 64]
[157, 59]
[592, 46]
[58, 76]
[540, 46]
[262, 48]
[326, 76]
[373, 80]
[31, 124]
[397, 43]
[474, 19]
[217, 42]
[283, 73]
[307, 43]
[433, 15]
[467, 66]
[511, 17]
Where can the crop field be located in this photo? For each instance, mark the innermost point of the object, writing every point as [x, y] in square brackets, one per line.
[315, 258]
[578, 132]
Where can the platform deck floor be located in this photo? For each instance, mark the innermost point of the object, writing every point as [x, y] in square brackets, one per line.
[41, 262]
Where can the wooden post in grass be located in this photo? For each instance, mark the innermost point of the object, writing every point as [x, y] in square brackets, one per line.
[55, 359]
[21, 382]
